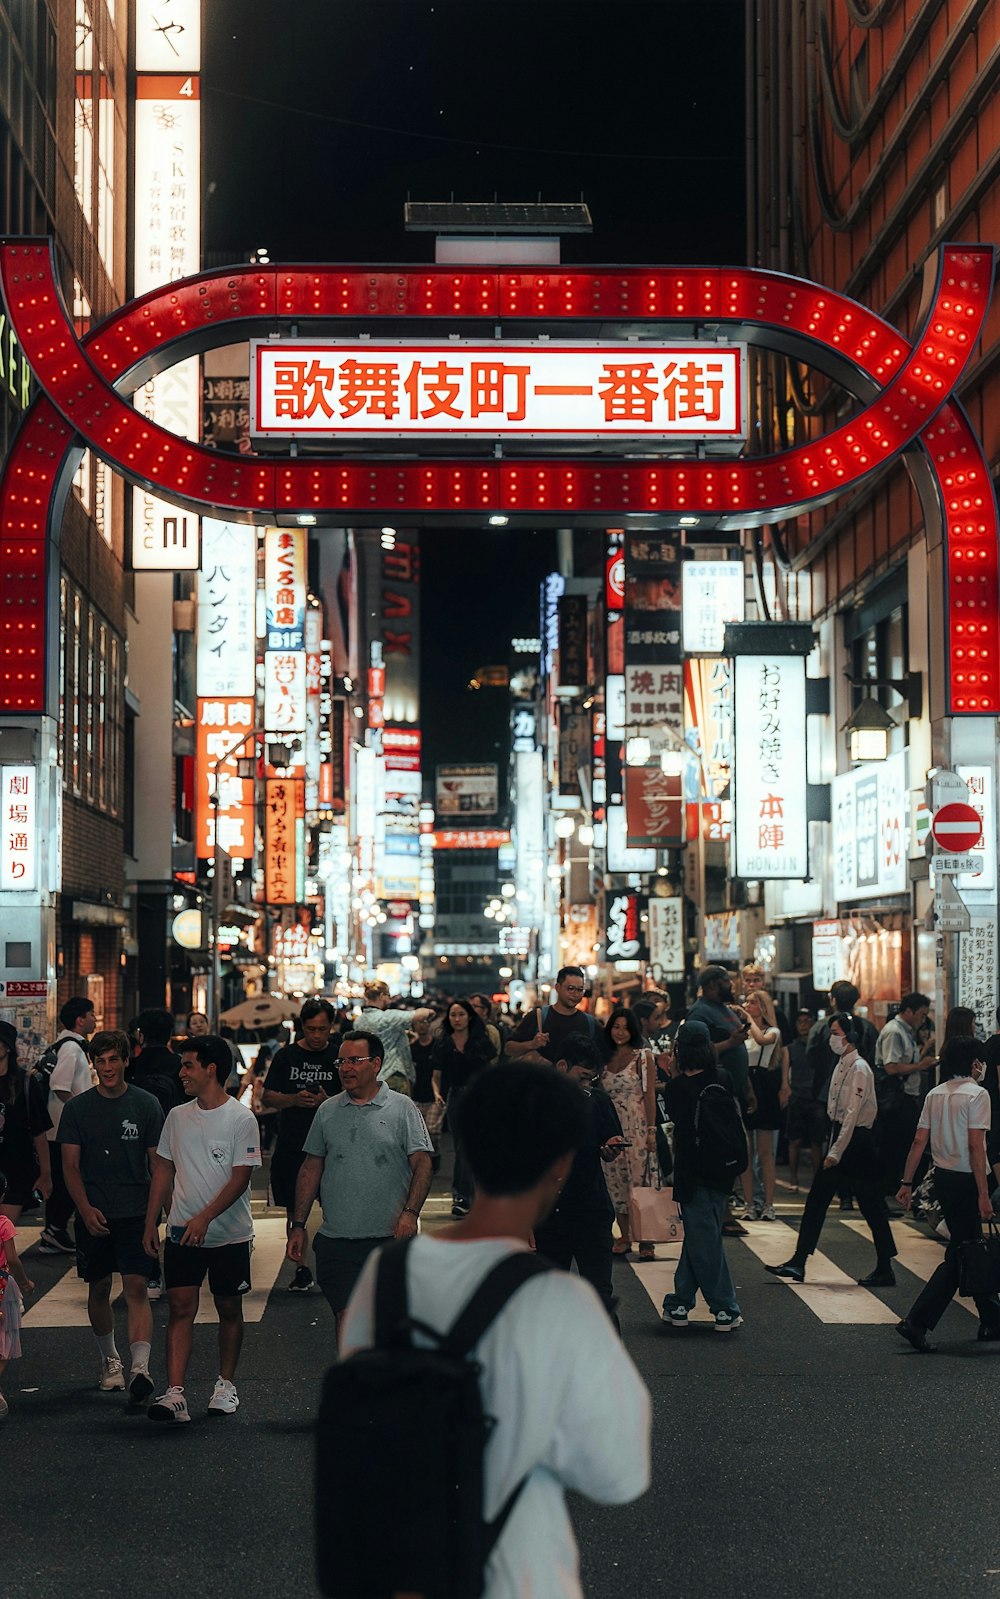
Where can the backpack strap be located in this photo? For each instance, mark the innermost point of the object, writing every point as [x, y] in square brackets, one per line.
[391, 1303]
[490, 1297]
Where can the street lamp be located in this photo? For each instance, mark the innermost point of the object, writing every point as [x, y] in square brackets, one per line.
[868, 729]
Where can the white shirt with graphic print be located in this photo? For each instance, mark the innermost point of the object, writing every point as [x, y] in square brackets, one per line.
[205, 1146]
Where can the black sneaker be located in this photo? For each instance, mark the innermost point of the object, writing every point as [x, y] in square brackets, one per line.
[460, 1209]
[301, 1282]
[56, 1241]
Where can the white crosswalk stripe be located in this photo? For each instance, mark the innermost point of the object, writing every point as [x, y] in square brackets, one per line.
[832, 1296]
[919, 1254]
[65, 1303]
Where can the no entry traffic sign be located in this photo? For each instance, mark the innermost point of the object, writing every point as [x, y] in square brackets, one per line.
[957, 827]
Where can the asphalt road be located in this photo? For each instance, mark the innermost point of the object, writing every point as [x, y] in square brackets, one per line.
[811, 1451]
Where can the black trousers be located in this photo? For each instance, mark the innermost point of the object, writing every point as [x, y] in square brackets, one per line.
[859, 1167]
[958, 1197]
[58, 1206]
[894, 1131]
[587, 1240]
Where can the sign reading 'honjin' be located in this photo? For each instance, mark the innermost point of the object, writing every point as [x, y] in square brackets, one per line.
[456, 389]
[770, 836]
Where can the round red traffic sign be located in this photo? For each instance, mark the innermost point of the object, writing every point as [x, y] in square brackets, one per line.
[957, 828]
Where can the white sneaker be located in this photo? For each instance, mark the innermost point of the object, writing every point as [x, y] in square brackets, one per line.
[769, 1213]
[112, 1375]
[752, 1213]
[224, 1400]
[726, 1322]
[171, 1406]
[154, 1289]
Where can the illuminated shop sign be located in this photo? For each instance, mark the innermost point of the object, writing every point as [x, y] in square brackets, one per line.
[455, 389]
[711, 595]
[770, 834]
[19, 827]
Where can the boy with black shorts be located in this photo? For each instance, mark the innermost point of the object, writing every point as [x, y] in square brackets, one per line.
[108, 1138]
[204, 1160]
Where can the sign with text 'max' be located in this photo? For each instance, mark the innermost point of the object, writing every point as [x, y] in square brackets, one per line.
[456, 389]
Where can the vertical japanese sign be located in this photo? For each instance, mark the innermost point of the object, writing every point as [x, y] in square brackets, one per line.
[285, 694]
[167, 244]
[654, 808]
[314, 686]
[623, 937]
[977, 971]
[870, 835]
[285, 587]
[283, 811]
[666, 939]
[573, 668]
[221, 743]
[575, 741]
[227, 588]
[712, 595]
[771, 835]
[980, 783]
[19, 827]
[654, 685]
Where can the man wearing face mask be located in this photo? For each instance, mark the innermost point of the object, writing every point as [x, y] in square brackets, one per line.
[955, 1119]
[852, 1109]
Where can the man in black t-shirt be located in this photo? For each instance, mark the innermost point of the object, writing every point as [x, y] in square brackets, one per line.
[300, 1077]
[545, 1030]
[108, 1138]
[579, 1226]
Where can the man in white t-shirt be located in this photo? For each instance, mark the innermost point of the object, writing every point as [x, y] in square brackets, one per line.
[204, 1160]
[571, 1410]
[70, 1076]
[955, 1119]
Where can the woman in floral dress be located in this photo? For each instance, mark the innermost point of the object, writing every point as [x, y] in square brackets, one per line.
[630, 1078]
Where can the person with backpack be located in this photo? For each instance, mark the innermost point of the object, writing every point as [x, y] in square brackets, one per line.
[852, 1153]
[710, 1151]
[64, 1070]
[554, 1401]
[545, 1029]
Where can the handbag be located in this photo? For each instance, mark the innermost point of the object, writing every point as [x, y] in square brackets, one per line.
[653, 1213]
[979, 1264]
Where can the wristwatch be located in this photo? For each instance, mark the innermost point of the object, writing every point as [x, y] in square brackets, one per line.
[408, 1210]
[294, 1224]
[905, 1184]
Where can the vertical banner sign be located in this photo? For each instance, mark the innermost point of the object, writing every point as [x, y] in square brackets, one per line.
[574, 747]
[666, 939]
[870, 835]
[19, 827]
[167, 216]
[325, 793]
[285, 587]
[624, 939]
[654, 808]
[314, 684]
[221, 743]
[283, 798]
[654, 679]
[977, 971]
[573, 666]
[285, 694]
[227, 587]
[979, 781]
[712, 595]
[771, 834]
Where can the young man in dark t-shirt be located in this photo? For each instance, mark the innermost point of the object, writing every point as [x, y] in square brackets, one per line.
[108, 1137]
[579, 1226]
[300, 1077]
[546, 1029]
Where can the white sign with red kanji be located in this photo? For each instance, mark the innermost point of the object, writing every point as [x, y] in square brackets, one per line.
[458, 389]
[19, 827]
[771, 835]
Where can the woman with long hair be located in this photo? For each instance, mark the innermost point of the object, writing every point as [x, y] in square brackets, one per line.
[769, 1081]
[630, 1079]
[487, 1013]
[852, 1108]
[24, 1121]
[463, 1050]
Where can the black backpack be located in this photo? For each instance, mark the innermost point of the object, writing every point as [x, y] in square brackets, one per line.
[45, 1065]
[394, 1402]
[721, 1152]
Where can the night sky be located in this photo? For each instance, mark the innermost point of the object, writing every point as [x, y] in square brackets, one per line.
[321, 117]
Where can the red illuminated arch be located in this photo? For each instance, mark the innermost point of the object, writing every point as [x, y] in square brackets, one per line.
[907, 389]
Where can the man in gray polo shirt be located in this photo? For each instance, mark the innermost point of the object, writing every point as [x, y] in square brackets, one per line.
[368, 1156]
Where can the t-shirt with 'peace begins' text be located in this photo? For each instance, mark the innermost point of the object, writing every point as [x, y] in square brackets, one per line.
[205, 1146]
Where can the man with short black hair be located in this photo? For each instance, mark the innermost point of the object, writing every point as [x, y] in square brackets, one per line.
[71, 1076]
[571, 1410]
[300, 1078]
[368, 1155]
[899, 1067]
[204, 1162]
[579, 1226]
[543, 1032]
[157, 1067]
[108, 1139]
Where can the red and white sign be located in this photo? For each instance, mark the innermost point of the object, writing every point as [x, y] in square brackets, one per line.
[24, 990]
[614, 581]
[19, 827]
[957, 828]
[224, 739]
[471, 838]
[458, 389]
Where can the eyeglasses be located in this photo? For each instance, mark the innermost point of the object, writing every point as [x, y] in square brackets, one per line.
[573, 988]
[354, 1060]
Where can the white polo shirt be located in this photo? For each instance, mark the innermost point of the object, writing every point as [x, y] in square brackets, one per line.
[950, 1111]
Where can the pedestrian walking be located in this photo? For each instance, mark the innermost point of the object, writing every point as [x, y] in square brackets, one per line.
[708, 1137]
[300, 1078]
[852, 1153]
[769, 1086]
[806, 1122]
[24, 1123]
[486, 1011]
[108, 1138]
[578, 1227]
[899, 1067]
[543, 1031]
[629, 1079]
[463, 1050]
[570, 1409]
[428, 1099]
[156, 1067]
[15, 1287]
[204, 1162]
[392, 1026]
[68, 1072]
[955, 1121]
[368, 1157]
[728, 1028]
